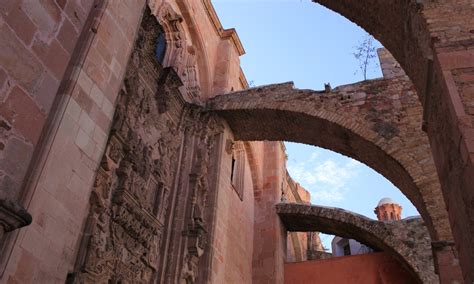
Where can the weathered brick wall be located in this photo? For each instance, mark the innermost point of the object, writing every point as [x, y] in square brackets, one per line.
[450, 115]
[390, 67]
[63, 174]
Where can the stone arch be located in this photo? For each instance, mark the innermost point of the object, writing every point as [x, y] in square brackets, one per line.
[307, 218]
[376, 122]
[433, 42]
[399, 25]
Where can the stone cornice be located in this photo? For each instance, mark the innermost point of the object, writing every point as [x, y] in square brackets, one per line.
[243, 80]
[223, 33]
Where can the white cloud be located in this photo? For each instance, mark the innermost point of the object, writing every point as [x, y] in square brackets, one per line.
[328, 180]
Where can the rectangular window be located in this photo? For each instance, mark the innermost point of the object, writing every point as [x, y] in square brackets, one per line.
[347, 249]
[238, 169]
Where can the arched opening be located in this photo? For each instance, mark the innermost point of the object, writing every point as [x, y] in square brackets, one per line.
[347, 124]
[319, 119]
[433, 61]
[379, 235]
[337, 181]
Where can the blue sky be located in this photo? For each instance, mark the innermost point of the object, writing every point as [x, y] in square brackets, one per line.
[303, 42]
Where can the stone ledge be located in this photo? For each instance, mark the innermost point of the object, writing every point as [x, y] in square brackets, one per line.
[12, 216]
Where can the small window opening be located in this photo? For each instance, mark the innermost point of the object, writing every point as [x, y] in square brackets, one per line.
[232, 173]
[160, 47]
[347, 249]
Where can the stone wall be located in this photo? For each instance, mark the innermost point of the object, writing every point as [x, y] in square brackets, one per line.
[300, 246]
[59, 184]
[233, 246]
[68, 164]
[37, 42]
[433, 42]
[407, 241]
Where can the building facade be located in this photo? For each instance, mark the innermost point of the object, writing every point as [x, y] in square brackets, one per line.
[125, 156]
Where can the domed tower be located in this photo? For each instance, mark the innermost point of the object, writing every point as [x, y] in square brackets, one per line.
[388, 210]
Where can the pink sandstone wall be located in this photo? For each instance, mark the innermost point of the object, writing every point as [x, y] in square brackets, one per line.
[44, 252]
[37, 40]
[269, 237]
[374, 268]
[233, 239]
[296, 242]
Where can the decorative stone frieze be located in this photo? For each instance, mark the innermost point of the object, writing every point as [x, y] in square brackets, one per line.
[149, 215]
[180, 53]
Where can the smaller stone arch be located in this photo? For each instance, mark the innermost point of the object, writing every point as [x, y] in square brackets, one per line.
[416, 257]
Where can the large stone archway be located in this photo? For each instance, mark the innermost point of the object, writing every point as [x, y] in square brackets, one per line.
[377, 122]
[380, 235]
[434, 43]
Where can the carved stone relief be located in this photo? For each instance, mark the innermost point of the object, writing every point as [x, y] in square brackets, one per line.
[147, 221]
[180, 54]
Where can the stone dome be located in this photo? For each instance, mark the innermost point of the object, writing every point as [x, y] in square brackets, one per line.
[386, 200]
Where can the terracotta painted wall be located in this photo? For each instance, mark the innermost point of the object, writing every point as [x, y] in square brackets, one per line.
[375, 268]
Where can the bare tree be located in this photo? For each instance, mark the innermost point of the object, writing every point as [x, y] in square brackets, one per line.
[365, 53]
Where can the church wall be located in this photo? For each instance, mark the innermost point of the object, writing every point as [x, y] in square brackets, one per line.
[66, 168]
[37, 40]
[233, 239]
[269, 237]
[58, 196]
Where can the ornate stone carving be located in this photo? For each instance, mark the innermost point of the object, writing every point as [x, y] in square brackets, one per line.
[180, 53]
[147, 221]
[175, 36]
